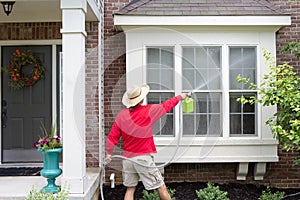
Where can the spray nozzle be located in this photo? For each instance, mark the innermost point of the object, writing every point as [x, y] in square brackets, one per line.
[188, 104]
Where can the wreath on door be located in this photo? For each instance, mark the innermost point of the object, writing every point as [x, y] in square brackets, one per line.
[20, 60]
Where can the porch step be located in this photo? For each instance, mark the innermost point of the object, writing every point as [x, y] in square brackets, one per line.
[18, 187]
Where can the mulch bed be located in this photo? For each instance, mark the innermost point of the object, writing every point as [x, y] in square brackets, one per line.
[186, 191]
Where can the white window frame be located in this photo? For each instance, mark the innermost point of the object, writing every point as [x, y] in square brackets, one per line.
[224, 90]
[258, 148]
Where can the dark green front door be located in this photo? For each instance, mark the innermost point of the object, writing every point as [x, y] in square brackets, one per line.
[24, 109]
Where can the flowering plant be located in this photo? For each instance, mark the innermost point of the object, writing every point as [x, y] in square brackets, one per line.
[48, 141]
[23, 59]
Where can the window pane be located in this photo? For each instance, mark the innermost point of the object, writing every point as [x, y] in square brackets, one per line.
[235, 107]
[249, 58]
[153, 78]
[206, 62]
[214, 103]
[214, 57]
[233, 73]
[214, 125]
[214, 79]
[248, 124]
[235, 124]
[167, 57]
[201, 57]
[235, 57]
[188, 79]
[206, 118]
[160, 68]
[167, 79]
[249, 73]
[167, 125]
[188, 58]
[242, 116]
[201, 125]
[201, 80]
[201, 103]
[242, 60]
[153, 56]
[188, 125]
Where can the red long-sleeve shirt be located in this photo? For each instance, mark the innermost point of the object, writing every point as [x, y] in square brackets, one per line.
[136, 128]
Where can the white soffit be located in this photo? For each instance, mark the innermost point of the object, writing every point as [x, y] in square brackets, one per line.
[125, 20]
[41, 11]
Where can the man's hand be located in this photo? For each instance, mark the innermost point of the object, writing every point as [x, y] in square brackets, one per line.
[107, 159]
[183, 95]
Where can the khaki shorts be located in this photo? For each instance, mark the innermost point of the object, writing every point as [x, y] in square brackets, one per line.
[144, 170]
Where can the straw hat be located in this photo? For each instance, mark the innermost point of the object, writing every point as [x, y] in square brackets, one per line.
[135, 95]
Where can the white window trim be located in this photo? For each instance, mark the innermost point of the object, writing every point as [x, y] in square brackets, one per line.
[131, 20]
[225, 91]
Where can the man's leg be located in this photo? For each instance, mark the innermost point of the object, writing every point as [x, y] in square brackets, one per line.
[163, 193]
[129, 195]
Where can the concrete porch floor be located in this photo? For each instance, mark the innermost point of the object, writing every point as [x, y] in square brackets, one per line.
[18, 187]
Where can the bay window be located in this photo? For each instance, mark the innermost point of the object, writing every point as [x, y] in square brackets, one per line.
[201, 73]
[205, 55]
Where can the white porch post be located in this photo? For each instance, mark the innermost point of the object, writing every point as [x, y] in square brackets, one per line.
[73, 94]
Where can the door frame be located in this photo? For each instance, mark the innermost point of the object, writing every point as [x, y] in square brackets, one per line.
[53, 43]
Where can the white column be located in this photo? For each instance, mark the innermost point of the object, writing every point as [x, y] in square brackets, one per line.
[73, 94]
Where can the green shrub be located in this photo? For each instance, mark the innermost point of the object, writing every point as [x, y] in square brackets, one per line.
[280, 87]
[268, 195]
[36, 195]
[154, 195]
[211, 192]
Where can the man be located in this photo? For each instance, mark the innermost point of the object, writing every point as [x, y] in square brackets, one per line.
[134, 124]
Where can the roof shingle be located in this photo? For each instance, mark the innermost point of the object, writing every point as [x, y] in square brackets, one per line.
[199, 8]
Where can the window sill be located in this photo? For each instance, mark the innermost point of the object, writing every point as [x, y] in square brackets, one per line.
[208, 141]
[215, 150]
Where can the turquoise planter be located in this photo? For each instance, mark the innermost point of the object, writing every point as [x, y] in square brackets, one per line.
[51, 168]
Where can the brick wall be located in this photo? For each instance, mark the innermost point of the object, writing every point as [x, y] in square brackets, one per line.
[289, 33]
[30, 31]
[92, 94]
[281, 174]
[114, 73]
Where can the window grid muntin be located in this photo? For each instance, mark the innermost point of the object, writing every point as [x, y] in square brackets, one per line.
[203, 71]
[243, 114]
[208, 113]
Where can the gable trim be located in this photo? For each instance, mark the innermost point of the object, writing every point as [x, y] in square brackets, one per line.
[125, 20]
